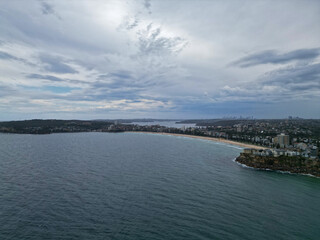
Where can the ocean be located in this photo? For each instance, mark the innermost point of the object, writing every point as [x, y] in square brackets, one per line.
[146, 186]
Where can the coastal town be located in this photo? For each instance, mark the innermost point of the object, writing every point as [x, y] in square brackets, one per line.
[286, 137]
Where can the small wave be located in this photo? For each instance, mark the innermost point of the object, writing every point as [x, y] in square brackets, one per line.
[287, 172]
[242, 165]
[218, 143]
[240, 148]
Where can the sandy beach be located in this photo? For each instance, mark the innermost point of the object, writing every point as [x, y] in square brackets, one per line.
[244, 145]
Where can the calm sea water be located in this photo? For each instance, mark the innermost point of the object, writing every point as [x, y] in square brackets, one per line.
[143, 186]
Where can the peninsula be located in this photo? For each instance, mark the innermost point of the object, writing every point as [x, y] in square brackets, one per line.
[280, 160]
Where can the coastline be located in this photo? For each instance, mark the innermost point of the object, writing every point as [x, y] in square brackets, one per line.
[272, 170]
[239, 144]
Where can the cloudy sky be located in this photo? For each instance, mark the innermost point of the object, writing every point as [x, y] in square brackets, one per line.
[159, 59]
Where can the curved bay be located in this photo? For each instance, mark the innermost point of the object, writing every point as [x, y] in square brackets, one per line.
[144, 186]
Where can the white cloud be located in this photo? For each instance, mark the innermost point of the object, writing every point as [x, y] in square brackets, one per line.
[154, 56]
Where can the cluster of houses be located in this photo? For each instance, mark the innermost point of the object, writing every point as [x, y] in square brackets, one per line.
[311, 153]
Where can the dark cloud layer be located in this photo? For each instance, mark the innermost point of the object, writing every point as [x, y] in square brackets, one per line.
[56, 64]
[4, 55]
[46, 8]
[273, 57]
[296, 78]
[45, 77]
[121, 74]
[7, 56]
[54, 79]
[147, 5]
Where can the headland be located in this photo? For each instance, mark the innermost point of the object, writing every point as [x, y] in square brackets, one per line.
[279, 160]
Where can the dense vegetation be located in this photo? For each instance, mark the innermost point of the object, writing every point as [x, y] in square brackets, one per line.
[38, 126]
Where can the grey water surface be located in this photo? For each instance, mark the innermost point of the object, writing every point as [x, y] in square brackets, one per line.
[145, 186]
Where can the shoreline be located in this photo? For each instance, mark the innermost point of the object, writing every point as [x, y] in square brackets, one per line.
[239, 144]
